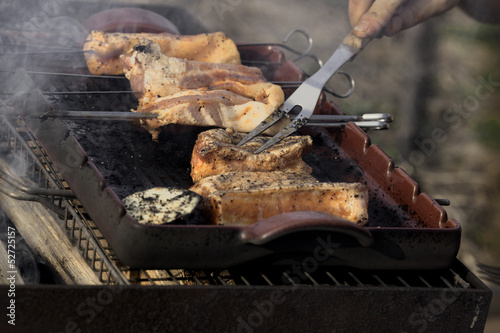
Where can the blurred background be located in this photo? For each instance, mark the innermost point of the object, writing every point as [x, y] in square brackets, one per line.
[440, 80]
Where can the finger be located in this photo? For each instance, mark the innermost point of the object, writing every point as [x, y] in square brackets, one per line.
[415, 12]
[357, 8]
[378, 16]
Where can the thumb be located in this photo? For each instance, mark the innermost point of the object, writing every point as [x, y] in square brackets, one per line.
[376, 18]
[357, 8]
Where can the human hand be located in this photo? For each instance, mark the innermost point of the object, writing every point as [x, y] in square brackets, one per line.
[373, 18]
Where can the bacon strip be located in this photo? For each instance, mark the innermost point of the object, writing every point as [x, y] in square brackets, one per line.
[197, 93]
[216, 108]
[155, 75]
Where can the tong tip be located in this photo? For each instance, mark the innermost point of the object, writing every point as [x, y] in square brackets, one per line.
[387, 117]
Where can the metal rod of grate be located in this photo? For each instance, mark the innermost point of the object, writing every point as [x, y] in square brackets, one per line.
[39, 169]
[101, 258]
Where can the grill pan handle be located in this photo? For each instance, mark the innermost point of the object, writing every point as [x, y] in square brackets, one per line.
[283, 224]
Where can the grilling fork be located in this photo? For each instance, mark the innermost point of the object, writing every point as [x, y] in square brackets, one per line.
[306, 96]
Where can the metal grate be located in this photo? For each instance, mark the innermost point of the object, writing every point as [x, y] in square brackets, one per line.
[26, 150]
[101, 258]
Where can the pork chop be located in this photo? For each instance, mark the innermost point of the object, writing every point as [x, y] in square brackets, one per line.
[216, 152]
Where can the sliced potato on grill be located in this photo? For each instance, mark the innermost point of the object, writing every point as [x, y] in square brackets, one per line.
[162, 205]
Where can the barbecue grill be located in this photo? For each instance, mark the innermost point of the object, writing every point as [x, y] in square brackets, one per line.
[287, 291]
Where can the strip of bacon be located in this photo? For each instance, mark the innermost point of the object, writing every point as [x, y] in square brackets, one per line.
[155, 75]
[197, 93]
[217, 108]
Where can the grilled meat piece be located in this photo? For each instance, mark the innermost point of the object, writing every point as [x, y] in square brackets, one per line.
[242, 207]
[217, 108]
[245, 180]
[216, 152]
[201, 94]
[156, 75]
[104, 49]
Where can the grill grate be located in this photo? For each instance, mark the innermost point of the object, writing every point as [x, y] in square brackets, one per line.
[24, 148]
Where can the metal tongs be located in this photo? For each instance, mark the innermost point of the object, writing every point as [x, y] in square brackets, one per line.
[306, 96]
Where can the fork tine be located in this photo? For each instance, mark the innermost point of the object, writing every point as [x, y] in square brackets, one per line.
[277, 138]
[292, 127]
[270, 120]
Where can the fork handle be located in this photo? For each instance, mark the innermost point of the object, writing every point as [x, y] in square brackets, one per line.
[350, 47]
[356, 42]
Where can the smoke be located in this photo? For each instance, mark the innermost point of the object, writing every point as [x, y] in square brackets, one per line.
[29, 31]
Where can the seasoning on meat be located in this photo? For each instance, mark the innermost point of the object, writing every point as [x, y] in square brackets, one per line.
[103, 49]
[242, 207]
[216, 152]
[246, 180]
